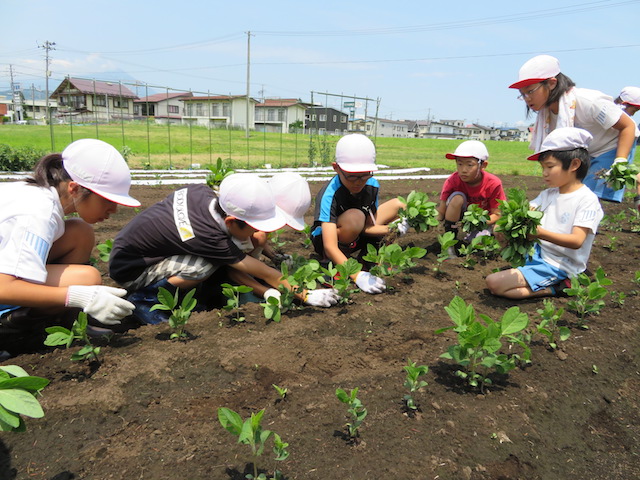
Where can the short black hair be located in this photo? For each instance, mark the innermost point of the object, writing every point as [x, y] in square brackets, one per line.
[566, 156]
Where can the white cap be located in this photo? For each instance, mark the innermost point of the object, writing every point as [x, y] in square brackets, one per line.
[292, 195]
[536, 70]
[470, 149]
[630, 95]
[248, 197]
[356, 153]
[563, 139]
[99, 167]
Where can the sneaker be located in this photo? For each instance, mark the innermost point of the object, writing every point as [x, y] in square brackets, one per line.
[145, 298]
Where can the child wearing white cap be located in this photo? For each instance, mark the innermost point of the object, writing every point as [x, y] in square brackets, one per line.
[179, 242]
[469, 184]
[572, 213]
[44, 258]
[347, 215]
[629, 101]
[559, 103]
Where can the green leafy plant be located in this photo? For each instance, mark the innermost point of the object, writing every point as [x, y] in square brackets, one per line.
[276, 238]
[282, 391]
[587, 295]
[232, 292]
[479, 342]
[58, 335]
[339, 277]
[475, 218]
[391, 259]
[420, 213]
[180, 312]
[355, 409]
[18, 396]
[617, 298]
[413, 383]
[620, 175]
[250, 432]
[613, 243]
[614, 222]
[548, 326]
[447, 240]
[219, 172]
[517, 222]
[104, 250]
[306, 236]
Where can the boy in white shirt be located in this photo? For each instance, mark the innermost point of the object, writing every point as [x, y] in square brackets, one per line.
[572, 214]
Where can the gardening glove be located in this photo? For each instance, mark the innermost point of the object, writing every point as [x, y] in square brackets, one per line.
[280, 258]
[272, 292]
[102, 303]
[322, 297]
[403, 227]
[617, 160]
[370, 283]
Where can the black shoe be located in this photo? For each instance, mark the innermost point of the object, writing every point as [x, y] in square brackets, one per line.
[145, 298]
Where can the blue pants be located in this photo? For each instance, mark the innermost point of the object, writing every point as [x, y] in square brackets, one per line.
[597, 185]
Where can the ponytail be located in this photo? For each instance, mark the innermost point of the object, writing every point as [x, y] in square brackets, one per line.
[49, 172]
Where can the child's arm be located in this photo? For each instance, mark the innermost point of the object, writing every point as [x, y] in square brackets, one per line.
[627, 136]
[442, 208]
[494, 215]
[330, 242]
[574, 240]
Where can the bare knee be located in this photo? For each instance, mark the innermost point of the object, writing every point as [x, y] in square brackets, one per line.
[350, 224]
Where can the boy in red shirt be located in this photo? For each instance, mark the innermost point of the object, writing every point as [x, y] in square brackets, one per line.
[469, 184]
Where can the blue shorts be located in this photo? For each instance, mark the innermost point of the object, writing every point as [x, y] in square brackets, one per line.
[539, 274]
[598, 185]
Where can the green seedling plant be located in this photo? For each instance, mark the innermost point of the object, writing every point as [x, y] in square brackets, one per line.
[517, 223]
[548, 326]
[587, 295]
[232, 293]
[446, 241]
[355, 409]
[620, 175]
[617, 298]
[420, 213]
[306, 236]
[614, 222]
[104, 250]
[413, 383]
[475, 218]
[480, 341]
[250, 432]
[58, 335]
[391, 259]
[18, 397]
[276, 240]
[219, 172]
[180, 311]
[339, 277]
[282, 391]
[612, 246]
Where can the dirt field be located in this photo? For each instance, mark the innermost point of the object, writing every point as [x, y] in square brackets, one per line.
[149, 409]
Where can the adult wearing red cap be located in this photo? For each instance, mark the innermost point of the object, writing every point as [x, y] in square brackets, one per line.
[44, 258]
[559, 103]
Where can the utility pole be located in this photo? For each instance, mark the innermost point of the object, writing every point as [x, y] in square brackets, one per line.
[248, 80]
[48, 46]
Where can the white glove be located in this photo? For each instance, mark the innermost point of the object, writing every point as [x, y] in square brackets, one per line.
[403, 227]
[370, 283]
[283, 258]
[617, 160]
[272, 293]
[102, 303]
[322, 297]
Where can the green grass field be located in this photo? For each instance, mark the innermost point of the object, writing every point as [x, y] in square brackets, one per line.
[157, 146]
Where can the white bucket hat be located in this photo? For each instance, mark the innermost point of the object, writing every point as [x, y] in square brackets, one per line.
[470, 149]
[563, 139]
[99, 167]
[292, 195]
[356, 153]
[536, 70]
[248, 197]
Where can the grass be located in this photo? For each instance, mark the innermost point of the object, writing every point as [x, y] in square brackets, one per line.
[161, 146]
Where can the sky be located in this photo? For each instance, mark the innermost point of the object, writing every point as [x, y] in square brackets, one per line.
[413, 60]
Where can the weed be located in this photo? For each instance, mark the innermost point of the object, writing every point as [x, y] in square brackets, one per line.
[179, 314]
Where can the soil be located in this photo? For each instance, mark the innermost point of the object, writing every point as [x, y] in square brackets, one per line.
[149, 408]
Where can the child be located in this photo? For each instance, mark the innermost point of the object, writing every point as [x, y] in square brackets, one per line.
[572, 213]
[44, 259]
[560, 103]
[182, 240]
[629, 101]
[347, 215]
[469, 184]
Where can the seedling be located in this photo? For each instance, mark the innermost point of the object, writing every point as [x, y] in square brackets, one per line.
[475, 218]
[218, 173]
[282, 392]
[276, 240]
[180, 314]
[620, 175]
[339, 277]
[636, 277]
[587, 295]
[479, 342]
[613, 243]
[306, 237]
[517, 222]
[63, 336]
[419, 211]
[232, 292]
[250, 432]
[356, 410]
[446, 240]
[104, 250]
[18, 396]
[548, 325]
[413, 383]
[617, 298]
[615, 221]
[391, 259]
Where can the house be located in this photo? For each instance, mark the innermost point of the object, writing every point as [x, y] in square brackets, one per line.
[326, 120]
[383, 127]
[81, 101]
[480, 132]
[360, 125]
[34, 111]
[280, 115]
[433, 129]
[219, 111]
[514, 134]
[163, 107]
